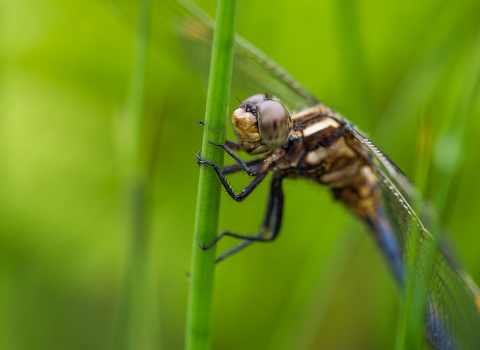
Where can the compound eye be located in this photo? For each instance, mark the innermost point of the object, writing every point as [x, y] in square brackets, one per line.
[255, 99]
[273, 123]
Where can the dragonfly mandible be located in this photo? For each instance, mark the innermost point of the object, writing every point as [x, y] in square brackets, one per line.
[320, 145]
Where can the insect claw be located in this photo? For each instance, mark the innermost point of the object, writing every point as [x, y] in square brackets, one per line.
[216, 144]
[200, 160]
[201, 123]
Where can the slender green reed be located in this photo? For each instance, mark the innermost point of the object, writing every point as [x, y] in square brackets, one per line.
[412, 312]
[208, 198]
[128, 330]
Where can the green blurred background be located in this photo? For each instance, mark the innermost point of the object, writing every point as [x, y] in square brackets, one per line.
[406, 73]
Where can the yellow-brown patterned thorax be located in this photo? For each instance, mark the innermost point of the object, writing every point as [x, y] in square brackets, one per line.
[261, 124]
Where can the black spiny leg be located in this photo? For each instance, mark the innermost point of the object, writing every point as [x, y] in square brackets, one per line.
[252, 171]
[243, 193]
[270, 226]
[256, 167]
[230, 144]
[235, 168]
[253, 167]
[247, 190]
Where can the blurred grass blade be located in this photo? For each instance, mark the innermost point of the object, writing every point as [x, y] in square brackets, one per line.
[305, 311]
[412, 315]
[412, 311]
[208, 199]
[129, 333]
[450, 146]
[352, 55]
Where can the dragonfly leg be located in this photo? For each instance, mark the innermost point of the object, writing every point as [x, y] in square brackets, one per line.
[270, 226]
[234, 168]
[250, 170]
[232, 251]
[232, 145]
[243, 193]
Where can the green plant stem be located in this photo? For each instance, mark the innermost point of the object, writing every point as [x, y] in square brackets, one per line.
[208, 198]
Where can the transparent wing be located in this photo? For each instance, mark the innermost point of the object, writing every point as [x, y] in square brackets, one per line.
[392, 169]
[253, 71]
[452, 313]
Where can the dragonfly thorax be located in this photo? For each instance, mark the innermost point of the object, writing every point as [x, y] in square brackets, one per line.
[261, 124]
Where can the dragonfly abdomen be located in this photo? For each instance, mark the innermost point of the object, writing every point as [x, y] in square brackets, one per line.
[362, 197]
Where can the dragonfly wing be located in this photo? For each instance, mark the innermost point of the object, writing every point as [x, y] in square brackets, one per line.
[253, 71]
[452, 315]
[392, 169]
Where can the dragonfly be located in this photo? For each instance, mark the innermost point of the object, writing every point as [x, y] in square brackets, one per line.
[320, 145]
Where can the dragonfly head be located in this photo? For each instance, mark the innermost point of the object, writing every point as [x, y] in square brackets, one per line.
[261, 124]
